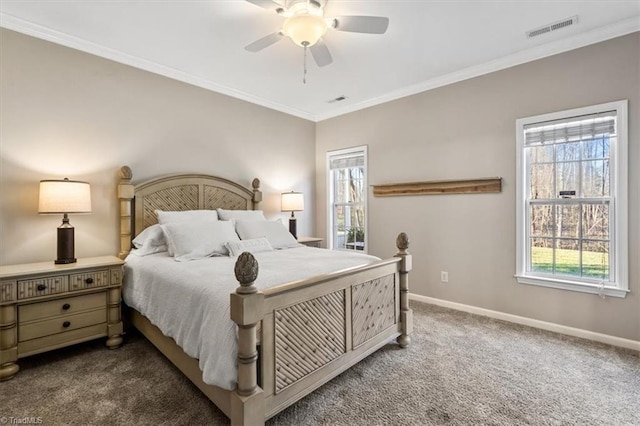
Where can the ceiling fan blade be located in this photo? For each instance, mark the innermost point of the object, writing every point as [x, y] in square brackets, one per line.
[321, 54]
[264, 42]
[361, 24]
[266, 4]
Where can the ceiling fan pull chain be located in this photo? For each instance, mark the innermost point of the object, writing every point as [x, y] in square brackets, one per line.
[304, 72]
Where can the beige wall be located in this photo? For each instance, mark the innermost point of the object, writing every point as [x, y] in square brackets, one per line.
[467, 130]
[68, 113]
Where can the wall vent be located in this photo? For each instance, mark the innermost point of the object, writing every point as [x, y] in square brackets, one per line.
[338, 99]
[553, 27]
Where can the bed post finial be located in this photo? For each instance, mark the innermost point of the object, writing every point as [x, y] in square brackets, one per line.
[247, 402]
[246, 271]
[126, 173]
[257, 194]
[125, 194]
[402, 242]
[406, 314]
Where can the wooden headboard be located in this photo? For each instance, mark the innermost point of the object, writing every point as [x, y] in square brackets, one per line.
[138, 203]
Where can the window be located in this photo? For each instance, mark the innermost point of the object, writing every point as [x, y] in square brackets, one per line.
[347, 197]
[572, 200]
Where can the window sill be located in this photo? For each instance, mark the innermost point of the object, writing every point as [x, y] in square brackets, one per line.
[573, 286]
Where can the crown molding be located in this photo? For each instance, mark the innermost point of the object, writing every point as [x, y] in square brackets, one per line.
[577, 41]
[11, 22]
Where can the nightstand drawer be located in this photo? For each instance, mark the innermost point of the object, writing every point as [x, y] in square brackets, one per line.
[59, 340]
[67, 306]
[89, 280]
[61, 324]
[42, 286]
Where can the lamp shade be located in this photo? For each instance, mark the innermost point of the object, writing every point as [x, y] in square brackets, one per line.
[292, 201]
[64, 196]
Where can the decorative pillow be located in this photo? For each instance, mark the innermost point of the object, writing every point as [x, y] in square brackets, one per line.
[197, 240]
[165, 217]
[241, 214]
[255, 245]
[150, 240]
[277, 235]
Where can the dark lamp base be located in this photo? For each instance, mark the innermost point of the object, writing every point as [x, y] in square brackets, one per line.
[293, 227]
[66, 249]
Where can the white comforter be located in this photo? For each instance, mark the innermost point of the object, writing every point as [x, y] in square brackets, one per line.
[189, 301]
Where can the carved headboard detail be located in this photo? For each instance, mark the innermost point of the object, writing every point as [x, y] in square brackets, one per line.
[138, 203]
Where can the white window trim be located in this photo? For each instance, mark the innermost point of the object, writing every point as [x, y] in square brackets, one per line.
[619, 180]
[339, 152]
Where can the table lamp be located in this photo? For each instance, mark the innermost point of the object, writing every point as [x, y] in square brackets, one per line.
[292, 202]
[64, 197]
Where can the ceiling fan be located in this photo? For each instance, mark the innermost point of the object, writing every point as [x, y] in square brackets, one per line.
[306, 24]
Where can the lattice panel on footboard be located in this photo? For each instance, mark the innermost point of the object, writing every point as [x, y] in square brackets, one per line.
[216, 197]
[184, 197]
[373, 308]
[308, 335]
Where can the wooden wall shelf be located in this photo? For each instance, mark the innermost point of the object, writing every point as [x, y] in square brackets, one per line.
[436, 187]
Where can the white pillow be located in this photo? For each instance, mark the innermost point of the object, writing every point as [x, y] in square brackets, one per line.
[165, 217]
[241, 214]
[255, 245]
[150, 240]
[197, 240]
[277, 235]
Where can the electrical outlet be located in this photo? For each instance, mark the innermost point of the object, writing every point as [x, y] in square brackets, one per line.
[444, 276]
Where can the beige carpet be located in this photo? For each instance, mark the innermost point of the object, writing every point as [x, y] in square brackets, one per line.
[460, 369]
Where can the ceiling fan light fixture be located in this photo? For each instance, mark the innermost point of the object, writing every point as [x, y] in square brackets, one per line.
[305, 29]
[305, 24]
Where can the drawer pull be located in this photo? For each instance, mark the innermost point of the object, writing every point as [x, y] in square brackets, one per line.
[41, 287]
[66, 324]
[66, 306]
[89, 280]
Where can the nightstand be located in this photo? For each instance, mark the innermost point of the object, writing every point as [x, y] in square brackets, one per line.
[310, 241]
[44, 306]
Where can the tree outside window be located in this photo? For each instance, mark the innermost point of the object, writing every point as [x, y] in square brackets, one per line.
[347, 199]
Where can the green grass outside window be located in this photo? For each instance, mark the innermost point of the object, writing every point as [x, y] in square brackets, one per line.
[594, 264]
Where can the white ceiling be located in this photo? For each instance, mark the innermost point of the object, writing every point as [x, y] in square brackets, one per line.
[428, 44]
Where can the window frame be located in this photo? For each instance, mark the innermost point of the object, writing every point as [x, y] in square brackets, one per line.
[330, 192]
[618, 175]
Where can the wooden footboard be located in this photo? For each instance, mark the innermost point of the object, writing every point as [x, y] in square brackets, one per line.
[313, 330]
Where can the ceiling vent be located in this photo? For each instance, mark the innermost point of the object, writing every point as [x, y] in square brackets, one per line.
[338, 99]
[553, 27]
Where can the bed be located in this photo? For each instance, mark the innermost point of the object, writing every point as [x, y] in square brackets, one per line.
[292, 337]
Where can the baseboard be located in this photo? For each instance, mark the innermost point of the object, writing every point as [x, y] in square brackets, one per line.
[549, 326]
